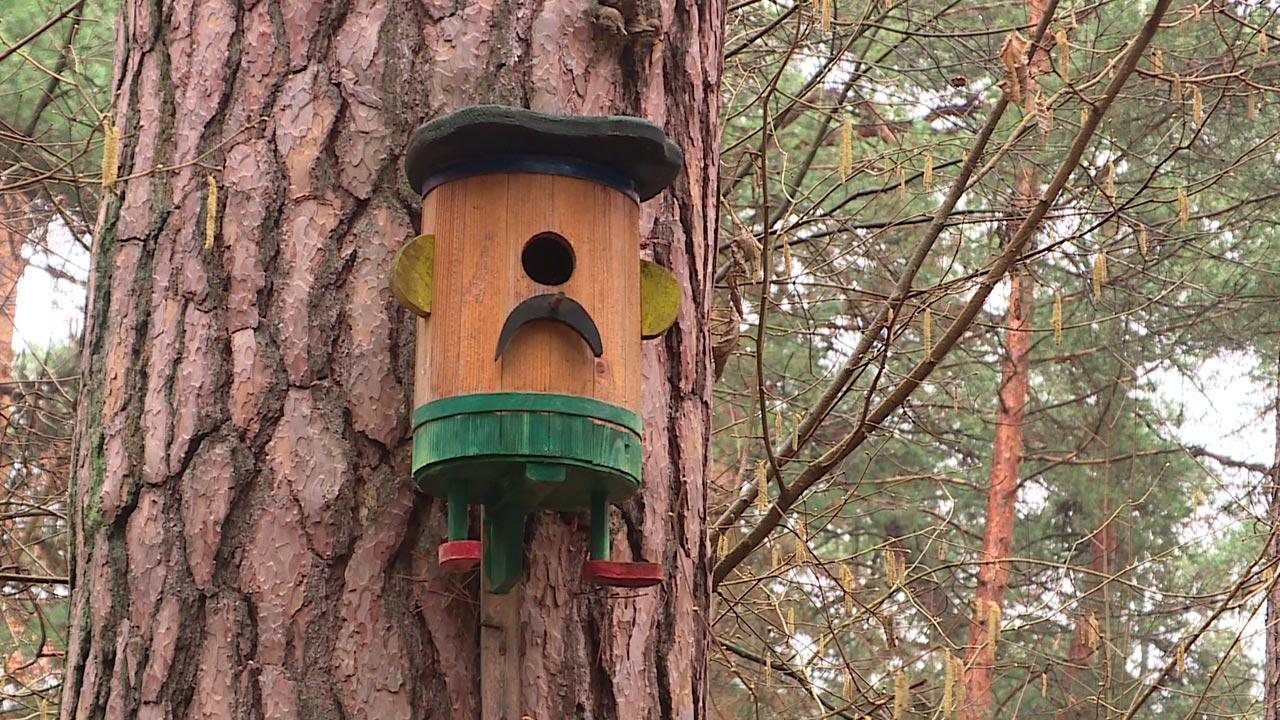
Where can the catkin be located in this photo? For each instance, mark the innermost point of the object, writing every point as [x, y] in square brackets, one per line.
[1253, 106]
[762, 487]
[1093, 631]
[1262, 42]
[1180, 660]
[1111, 179]
[901, 695]
[948, 686]
[824, 10]
[1197, 105]
[210, 212]
[890, 569]
[928, 334]
[1099, 272]
[1065, 48]
[1184, 209]
[1057, 318]
[110, 152]
[928, 172]
[1142, 241]
[1157, 61]
[846, 586]
[993, 625]
[846, 149]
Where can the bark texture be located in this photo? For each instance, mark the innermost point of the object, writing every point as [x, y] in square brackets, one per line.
[1002, 499]
[246, 539]
[1028, 63]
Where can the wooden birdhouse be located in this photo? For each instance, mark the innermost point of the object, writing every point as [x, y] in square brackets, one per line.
[533, 302]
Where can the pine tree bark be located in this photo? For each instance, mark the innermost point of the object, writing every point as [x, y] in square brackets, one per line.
[1007, 448]
[247, 542]
[1002, 498]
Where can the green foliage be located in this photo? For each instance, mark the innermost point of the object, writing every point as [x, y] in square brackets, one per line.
[841, 144]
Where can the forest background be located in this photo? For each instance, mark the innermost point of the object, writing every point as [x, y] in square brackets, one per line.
[995, 424]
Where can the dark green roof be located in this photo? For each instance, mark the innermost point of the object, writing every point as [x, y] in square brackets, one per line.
[630, 153]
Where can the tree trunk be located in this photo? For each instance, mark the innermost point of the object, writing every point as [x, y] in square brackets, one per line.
[1002, 498]
[247, 542]
[1081, 694]
[1007, 450]
[1271, 674]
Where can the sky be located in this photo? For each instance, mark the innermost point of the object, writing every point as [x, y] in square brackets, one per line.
[50, 310]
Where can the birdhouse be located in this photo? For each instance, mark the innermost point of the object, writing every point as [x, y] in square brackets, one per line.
[533, 302]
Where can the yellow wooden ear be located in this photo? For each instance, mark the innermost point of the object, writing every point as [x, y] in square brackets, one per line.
[411, 274]
[659, 299]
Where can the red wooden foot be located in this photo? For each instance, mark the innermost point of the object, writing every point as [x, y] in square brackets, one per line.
[622, 574]
[459, 556]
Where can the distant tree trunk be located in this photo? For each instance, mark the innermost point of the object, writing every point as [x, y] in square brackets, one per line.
[1271, 675]
[247, 542]
[1002, 497]
[1007, 449]
[1081, 700]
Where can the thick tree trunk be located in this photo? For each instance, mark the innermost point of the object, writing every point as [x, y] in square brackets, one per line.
[247, 542]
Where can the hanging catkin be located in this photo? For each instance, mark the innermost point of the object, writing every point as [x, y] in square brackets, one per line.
[110, 151]
[1057, 318]
[927, 322]
[762, 487]
[901, 695]
[948, 686]
[1065, 48]
[1099, 272]
[846, 149]
[993, 625]
[846, 586]
[210, 212]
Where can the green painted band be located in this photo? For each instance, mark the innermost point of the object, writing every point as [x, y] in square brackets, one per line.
[527, 402]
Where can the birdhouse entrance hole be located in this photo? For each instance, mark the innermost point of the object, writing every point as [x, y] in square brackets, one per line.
[548, 259]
